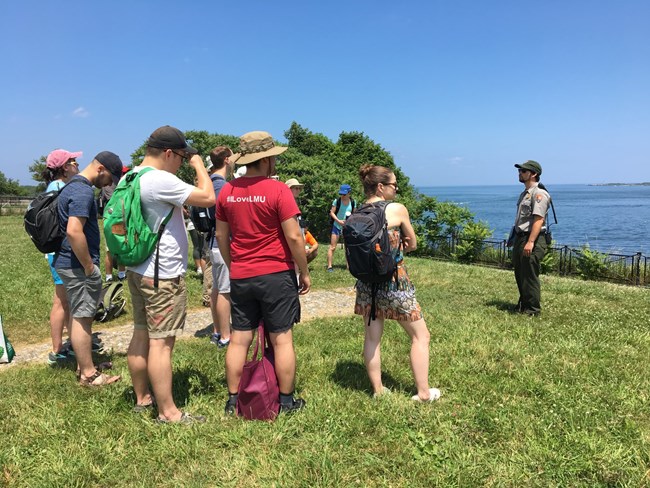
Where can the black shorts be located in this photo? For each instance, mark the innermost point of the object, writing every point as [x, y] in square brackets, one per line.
[272, 297]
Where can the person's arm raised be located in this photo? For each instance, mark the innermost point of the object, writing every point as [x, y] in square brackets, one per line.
[203, 193]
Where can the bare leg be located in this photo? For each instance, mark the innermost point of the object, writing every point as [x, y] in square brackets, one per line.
[372, 354]
[285, 360]
[419, 355]
[137, 357]
[160, 375]
[223, 315]
[240, 341]
[334, 239]
[81, 338]
[59, 317]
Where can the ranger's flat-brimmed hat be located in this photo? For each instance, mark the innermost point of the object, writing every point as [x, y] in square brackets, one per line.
[531, 165]
[256, 145]
[293, 183]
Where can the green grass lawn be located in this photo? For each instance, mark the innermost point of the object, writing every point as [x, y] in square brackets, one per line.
[560, 400]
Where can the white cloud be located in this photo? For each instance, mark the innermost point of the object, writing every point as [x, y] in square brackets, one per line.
[80, 112]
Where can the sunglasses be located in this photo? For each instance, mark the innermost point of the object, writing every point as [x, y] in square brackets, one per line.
[520, 170]
[394, 185]
[73, 163]
[183, 155]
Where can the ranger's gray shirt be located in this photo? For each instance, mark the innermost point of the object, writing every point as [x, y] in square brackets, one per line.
[533, 201]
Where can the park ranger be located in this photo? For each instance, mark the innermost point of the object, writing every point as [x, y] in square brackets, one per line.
[529, 239]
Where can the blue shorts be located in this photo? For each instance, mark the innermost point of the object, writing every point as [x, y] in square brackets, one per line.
[336, 231]
[55, 276]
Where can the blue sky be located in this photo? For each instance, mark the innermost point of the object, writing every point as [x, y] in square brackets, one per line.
[457, 91]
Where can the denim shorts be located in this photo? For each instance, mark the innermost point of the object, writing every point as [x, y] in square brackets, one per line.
[336, 231]
[272, 297]
[83, 291]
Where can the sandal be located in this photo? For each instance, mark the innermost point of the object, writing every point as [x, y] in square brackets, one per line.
[98, 379]
[106, 365]
[143, 407]
[186, 419]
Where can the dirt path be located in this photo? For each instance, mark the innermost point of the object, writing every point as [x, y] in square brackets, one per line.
[320, 303]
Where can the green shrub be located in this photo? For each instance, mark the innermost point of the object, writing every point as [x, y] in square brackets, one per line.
[591, 264]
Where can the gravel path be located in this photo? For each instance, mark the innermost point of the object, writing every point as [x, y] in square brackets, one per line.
[319, 303]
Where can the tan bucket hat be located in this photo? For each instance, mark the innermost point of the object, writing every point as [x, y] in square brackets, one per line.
[256, 145]
[292, 182]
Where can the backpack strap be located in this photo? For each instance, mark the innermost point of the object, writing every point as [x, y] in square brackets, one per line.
[161, 229]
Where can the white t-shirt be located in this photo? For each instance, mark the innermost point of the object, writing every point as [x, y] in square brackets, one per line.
[160, 192]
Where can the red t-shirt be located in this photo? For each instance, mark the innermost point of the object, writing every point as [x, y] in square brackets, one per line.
[254, 208]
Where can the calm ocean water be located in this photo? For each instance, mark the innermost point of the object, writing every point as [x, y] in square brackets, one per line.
[613, 219]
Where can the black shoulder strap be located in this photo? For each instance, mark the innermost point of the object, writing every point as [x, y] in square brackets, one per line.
[338, 206]
[542, 187]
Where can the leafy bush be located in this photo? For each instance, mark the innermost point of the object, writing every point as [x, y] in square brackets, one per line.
[470, 244]
[591, 264]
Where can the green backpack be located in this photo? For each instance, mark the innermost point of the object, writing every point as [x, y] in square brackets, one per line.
[128, 236]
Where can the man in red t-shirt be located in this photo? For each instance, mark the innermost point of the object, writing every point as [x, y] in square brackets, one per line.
[259, 238]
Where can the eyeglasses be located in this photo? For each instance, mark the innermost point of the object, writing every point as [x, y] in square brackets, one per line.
[182, 155]
[394, 185]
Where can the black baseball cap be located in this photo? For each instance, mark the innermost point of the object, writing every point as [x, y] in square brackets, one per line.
[168, 137]
[112, 163]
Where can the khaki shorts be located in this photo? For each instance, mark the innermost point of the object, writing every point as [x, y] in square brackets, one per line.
[161, 312]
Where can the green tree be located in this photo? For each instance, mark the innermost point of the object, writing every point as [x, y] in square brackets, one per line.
[36, 169]
[202, 141]
[9, 186]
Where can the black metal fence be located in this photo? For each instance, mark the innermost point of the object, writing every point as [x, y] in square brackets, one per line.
[629, 269]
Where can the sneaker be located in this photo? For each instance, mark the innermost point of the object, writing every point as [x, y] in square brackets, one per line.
[434, 394]
[109, 279]
[330, 270]
[54, 358]
[223, 344]
[231, 405]
[215, 338]
[295, 405]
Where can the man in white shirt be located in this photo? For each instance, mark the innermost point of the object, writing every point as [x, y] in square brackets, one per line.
[159, 313]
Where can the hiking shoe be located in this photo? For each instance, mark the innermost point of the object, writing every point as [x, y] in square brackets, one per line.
[54, 358]
[221, 344]
[434, 394]
[295, 405]
[231, 405]
[186, 419]
[215, 338]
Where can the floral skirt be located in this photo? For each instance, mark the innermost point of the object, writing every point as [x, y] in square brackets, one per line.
[396, 301]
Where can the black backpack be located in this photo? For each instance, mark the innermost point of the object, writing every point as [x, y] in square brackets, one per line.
[367, 245]
[367, 248]
[338, 207]
[203, 218]
[42, 222]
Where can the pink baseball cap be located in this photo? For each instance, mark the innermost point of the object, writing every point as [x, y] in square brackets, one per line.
[59, 157]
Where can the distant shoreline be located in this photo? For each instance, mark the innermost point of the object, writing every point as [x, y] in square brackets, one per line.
[645, 183]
